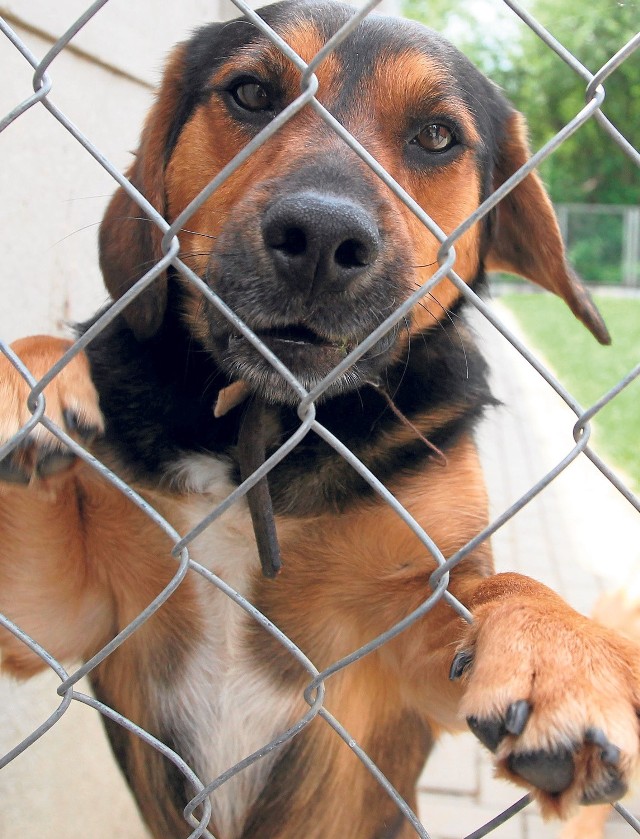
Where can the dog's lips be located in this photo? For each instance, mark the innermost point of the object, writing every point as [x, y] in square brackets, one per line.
[308, 355]
[296, 338]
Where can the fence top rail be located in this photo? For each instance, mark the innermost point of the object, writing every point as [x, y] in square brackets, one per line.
[598, 208]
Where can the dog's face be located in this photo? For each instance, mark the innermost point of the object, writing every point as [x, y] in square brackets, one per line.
[303, 241]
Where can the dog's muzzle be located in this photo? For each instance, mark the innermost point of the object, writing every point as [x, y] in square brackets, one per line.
[309, 278]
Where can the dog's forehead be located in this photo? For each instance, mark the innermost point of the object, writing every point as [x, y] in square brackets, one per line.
[392, 49]
[397, 67]
[374, 34]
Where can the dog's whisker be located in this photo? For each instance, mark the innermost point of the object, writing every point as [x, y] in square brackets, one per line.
[193, 254]
[458, 335]
[450, 317]
[424, 265]
[198, 233]
[181, 230]
[442, 458]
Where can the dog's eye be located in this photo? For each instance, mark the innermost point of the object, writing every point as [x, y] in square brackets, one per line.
[252, 96]
[436, 138]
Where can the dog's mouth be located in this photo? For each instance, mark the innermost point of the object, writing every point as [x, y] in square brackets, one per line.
[308, 354]
[295, 337]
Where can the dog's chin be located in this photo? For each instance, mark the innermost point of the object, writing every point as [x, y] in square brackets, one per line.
[308, 358]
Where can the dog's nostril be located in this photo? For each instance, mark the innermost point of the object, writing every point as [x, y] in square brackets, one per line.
[292, 241]
[352, 254]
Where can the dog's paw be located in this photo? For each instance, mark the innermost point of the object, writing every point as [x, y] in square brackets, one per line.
[71, 403]
[555, 697]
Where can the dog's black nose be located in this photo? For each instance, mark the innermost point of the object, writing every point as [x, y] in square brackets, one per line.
[319, 241]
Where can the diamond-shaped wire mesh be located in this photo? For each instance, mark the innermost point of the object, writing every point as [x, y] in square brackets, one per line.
[198, 811]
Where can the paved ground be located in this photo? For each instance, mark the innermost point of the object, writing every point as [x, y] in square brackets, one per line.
[562, 538]
[578, 536]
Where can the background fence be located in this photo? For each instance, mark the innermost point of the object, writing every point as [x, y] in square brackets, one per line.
[64, 99]
[603, 242]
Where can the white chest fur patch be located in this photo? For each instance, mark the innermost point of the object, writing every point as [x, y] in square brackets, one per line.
[227, 705]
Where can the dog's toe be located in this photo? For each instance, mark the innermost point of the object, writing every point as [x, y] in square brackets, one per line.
[78, 426]
[610, 787]
[71, 404]
[13, 472]
[53, 462]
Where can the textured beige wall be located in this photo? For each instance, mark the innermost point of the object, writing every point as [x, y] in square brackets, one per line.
[53, 191]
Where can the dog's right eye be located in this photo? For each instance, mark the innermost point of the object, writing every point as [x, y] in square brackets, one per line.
[252, 96]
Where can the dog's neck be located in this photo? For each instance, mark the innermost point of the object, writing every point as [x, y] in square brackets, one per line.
[159, 399]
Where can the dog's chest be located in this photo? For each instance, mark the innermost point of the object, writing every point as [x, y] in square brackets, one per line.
[228, 706]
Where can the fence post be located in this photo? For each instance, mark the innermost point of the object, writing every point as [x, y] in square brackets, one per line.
[562, 212]
[631, 247]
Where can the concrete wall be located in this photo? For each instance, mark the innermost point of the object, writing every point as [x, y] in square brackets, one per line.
[53, 196]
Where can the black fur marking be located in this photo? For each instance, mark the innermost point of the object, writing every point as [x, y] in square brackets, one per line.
[435, 376]
[157, 398]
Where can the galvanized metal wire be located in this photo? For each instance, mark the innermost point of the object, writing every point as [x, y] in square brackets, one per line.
[43, 96]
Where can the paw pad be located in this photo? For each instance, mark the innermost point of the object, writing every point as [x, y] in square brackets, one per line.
[550, 772]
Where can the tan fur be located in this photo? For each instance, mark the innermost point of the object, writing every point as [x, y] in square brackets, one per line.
[549, 269]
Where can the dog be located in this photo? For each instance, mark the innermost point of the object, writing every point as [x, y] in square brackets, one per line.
[312, 251]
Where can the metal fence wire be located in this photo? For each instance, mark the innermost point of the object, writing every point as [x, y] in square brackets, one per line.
[43, 97]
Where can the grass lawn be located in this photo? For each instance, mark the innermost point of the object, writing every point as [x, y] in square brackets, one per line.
[589, 370]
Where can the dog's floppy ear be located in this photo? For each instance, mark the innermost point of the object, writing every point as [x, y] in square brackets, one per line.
[525, 238]
[130, 243]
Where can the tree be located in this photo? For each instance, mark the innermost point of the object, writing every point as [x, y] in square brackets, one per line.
[589, 167]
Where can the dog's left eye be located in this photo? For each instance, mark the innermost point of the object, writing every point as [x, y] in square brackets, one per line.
[252, 96]
[436, 138]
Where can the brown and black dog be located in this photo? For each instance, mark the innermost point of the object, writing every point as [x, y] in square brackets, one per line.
[312, 251]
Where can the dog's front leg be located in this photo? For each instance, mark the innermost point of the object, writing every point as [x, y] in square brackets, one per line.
[46, 584]
[554, 695]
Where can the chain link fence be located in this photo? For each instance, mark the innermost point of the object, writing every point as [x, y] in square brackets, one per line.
[43, 97]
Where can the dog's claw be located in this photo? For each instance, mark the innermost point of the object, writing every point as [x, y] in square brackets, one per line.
[612, 789]
[54, 462]
[11, 473]
[610, 754]
[488, 732]
[517, 716]
[461, 662]
[76, 426]
[550, 772]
